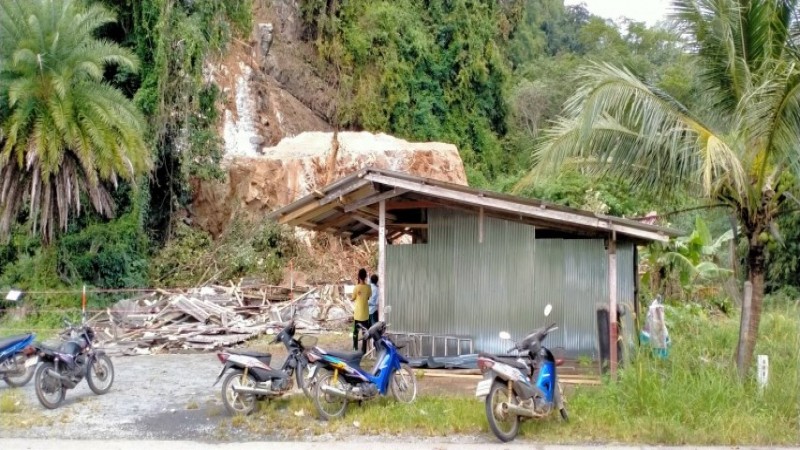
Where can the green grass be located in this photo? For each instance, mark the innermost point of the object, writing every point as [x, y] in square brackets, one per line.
[10, 403]
[16, 412]
[694, 397]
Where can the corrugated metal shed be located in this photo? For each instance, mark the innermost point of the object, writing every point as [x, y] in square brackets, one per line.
[455, 285]
[461, 278]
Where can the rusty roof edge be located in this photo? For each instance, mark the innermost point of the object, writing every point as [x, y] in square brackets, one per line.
[313, 195]
[364, 172]
[665, 231]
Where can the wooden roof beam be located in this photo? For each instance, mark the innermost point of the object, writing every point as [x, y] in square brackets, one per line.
[374, 199]
[478, 199]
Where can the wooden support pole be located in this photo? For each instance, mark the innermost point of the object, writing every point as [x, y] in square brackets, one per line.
[612, 304]
[382, 260]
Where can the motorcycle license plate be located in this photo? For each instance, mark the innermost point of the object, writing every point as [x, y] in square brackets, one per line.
[30, 362]
[483, 388]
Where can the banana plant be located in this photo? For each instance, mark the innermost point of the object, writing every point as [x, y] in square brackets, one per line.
[692, 261]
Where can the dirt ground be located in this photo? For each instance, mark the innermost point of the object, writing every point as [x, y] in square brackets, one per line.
[161, 397]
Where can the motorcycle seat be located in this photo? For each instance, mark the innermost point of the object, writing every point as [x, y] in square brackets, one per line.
[351, 358]
[13, 340]
[508, 360]
[261, 356]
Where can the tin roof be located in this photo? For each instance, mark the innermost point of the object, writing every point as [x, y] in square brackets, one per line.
[349, 206]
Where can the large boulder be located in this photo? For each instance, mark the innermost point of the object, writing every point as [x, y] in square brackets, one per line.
[296, 166]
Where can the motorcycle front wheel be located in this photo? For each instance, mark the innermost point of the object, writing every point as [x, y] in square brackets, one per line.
[329, 406]
[238, 402]
[504, 426]
[49, 389]
[100, 374]
[305, 379]
[19, 375]
[404, 384]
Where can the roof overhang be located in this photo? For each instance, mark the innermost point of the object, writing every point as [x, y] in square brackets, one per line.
[350, 207]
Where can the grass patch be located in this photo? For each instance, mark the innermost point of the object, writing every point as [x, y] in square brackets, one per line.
[10, 403]
[695, 396]
[692, 398]
[15, 412]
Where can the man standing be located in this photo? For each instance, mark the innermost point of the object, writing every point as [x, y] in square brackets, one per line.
[361, 295]
[373, 300]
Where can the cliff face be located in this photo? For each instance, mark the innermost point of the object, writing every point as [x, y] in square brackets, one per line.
[279, 144]
[298, 165]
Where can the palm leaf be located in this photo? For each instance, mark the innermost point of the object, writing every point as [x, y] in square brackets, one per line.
[622, 123]
[64, 131]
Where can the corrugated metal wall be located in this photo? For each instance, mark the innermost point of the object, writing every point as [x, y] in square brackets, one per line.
[453, 285]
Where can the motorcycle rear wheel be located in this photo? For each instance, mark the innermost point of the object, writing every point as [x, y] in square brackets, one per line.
[329, 406]
[237, 402]
[100, 374]
[504, 426]
[23, 375]
[49, 389]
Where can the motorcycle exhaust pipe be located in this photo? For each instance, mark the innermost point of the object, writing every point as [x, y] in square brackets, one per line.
[338, 392]
[68, 383]
[516, 410]
[249, 390]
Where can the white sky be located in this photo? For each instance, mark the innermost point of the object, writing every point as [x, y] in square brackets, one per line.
[649, 11]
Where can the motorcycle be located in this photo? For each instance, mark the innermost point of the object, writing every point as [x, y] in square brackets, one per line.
[510, 393]
[17, 359]
[64, 367]
[251, 376]
[345, 379]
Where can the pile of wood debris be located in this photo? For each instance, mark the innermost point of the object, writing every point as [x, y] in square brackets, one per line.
[213, 317]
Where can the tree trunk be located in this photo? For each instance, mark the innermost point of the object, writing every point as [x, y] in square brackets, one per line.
[755, 274]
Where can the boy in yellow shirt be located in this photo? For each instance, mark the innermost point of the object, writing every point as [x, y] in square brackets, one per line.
[361, 295]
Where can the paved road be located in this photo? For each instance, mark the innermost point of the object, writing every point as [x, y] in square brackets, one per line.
[61, 444]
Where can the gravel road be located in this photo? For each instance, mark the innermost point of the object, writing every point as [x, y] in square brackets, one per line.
[153, 397]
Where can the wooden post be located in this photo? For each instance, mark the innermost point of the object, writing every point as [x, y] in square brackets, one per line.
[612, 304]
[382, 260]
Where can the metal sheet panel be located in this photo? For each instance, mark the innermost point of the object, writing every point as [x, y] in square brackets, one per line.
[455, 285]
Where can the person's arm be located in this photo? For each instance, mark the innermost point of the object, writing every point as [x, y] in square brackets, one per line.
[355, 293]
[373, 298]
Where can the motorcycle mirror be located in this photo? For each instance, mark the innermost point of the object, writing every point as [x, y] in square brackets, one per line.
[505, 336]
[548, 309]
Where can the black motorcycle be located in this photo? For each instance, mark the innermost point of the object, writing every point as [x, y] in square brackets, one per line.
[251, 376]
[64, 367]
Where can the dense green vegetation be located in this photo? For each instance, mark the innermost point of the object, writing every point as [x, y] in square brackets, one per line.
[490, 76]
[737, 147]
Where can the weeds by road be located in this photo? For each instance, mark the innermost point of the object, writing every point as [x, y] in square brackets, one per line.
[693, 397]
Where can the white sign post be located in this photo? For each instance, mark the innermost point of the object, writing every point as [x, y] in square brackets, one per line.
[763, 371]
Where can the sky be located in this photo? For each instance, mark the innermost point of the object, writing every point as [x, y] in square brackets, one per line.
[649, 11]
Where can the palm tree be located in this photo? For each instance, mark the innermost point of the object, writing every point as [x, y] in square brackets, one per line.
[65, 134]
[740, 149]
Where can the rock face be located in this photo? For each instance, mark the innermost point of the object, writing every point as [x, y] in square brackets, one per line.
[257, 185]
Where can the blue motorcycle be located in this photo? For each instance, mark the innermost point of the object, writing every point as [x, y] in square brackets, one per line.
[525, 388]
[345, 380]
[17, 359]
